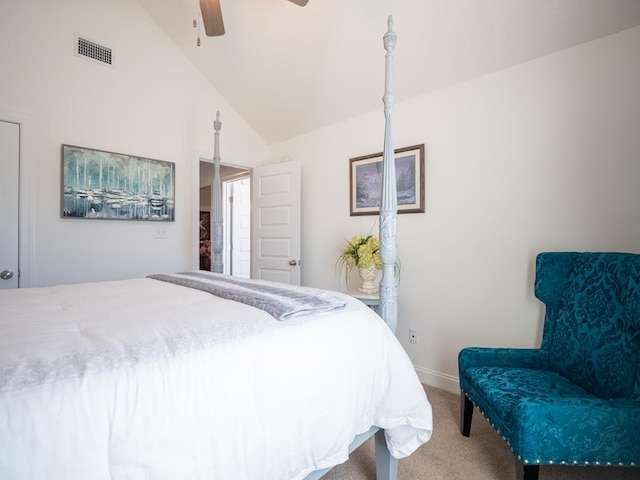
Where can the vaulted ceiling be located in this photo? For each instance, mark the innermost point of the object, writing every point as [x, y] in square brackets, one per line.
[289, 70]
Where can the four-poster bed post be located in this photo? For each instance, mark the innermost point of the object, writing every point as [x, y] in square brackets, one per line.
[216, 214]
[388, 204]
[386, 464]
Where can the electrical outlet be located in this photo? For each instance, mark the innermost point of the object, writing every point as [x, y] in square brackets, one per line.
[413, 336]
[160, 231]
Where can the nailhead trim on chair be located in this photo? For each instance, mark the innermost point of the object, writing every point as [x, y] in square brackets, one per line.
[549, 462]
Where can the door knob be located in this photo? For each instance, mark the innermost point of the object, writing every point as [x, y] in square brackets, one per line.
[293, 263]
[6, 274]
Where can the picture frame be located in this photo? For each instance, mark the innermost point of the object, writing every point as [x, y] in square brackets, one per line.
[205, 225]
[205, 240]
[365, 181]
[97, 184]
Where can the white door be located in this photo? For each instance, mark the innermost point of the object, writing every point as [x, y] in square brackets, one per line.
[9, 181]
[276, 223]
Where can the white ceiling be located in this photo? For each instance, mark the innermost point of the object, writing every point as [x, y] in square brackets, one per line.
[289, 70]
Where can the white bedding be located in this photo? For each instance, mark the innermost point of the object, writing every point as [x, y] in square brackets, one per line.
[142, 379]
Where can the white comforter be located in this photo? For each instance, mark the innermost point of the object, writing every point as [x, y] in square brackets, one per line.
[141, 379]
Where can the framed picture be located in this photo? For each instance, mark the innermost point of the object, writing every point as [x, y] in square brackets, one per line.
[205, 240]
[205, 225]
[365, 177]
[114, 186]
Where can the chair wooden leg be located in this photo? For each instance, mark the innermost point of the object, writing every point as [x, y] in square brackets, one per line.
[466, 414]
[526, 472]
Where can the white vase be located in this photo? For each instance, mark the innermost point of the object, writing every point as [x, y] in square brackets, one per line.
[368, 275]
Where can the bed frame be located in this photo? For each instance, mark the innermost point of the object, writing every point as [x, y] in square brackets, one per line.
[386, 465]
[389, 202]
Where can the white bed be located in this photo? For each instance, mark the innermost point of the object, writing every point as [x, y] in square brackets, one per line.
[145, 379]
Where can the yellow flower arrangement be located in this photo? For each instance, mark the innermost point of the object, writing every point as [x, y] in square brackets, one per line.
[359, 252]
[363, 252]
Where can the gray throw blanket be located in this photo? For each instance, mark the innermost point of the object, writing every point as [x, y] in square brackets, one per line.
[280, 300]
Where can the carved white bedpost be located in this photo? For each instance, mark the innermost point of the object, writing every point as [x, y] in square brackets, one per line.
[216, 216]
[389, 201]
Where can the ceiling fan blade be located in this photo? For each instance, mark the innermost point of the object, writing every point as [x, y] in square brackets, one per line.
[302, 3]
[212, 17]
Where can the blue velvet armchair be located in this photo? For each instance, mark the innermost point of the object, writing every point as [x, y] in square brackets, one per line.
[576, 399]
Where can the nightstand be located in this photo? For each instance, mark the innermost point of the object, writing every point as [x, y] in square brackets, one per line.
[371, 300]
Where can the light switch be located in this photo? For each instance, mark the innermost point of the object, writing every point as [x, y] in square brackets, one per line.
[160, 231]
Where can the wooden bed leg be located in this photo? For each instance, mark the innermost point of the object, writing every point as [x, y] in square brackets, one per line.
[526, 472]
[466, 414]
[386, 465]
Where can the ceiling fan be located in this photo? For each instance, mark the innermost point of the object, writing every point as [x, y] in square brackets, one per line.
[212, 16]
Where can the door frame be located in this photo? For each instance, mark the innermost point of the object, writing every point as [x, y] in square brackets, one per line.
[195, 219]
[26, 195]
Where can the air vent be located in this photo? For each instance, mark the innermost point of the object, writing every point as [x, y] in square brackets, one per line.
[93, 51]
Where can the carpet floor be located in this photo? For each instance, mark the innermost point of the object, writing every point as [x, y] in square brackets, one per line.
[449, 455]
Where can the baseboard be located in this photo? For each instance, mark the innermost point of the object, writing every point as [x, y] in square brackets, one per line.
[446, 382]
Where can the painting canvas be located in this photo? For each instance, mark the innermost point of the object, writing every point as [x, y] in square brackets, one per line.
[205, 226]
[366, 181]
[106, 185]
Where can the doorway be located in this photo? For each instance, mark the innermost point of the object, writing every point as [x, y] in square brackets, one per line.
[9, 189]
[17, 199]
[236, 218]
[237, 232]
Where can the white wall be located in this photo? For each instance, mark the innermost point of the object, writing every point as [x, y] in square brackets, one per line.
[151, 103]
[541, 156]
